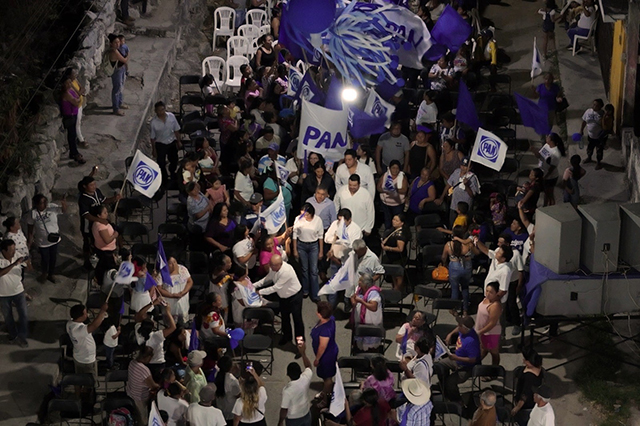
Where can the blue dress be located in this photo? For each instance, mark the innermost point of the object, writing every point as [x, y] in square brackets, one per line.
[327, 365]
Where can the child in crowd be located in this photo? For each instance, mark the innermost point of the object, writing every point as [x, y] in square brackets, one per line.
[498, 207]
[111, 341]
[461, 220]
[549, 17]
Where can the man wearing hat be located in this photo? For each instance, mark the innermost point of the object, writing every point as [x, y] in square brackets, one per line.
[257, 205]
[416, 412]
[458, 365]
[203, 413]
[271, 156]
[462, 185]
[542, 413]
[194, 377]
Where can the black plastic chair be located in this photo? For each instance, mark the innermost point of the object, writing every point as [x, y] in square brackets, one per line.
[132, 231]
[428, 237]
[427, 294]
[148, 251]
[364, 330]
[189, 80]
[259, 343]
[444, 304]
[442, 408]
[431, 220]
[116, 376]
[358, 366]
[87, 386]
[67, 409]
[197, 262]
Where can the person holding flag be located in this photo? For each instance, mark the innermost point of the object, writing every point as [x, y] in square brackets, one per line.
[549, 94]
[176, 284]
[463, 185]
[341, 235]
[393, 186]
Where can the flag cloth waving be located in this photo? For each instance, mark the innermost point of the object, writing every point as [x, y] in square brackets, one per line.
[155, 419]
[536, 62]
[144, 174]
[534, 115]
[338, 397]
[466, 110]
[343, 279]
[162, 265]
[275, 215]
[489, 150]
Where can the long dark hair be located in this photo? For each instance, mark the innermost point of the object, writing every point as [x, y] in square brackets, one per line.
[575, 167]
[146, 327]
[458, 231]
[224, 366]
[379, 367]
[557, 140]
[370, 397]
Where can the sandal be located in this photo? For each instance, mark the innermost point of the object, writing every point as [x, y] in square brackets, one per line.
[119, 112]
[124, 106]
[80, 159]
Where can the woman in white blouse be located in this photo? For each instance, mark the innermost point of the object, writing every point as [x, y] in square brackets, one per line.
[177, 294]
[393, 187]
[308, 248]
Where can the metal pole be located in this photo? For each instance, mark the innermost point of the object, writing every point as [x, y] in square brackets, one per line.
[631, 54]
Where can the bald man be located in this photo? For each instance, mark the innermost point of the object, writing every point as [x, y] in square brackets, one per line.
[287, 286]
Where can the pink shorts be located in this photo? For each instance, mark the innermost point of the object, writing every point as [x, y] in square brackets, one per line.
[490, 341]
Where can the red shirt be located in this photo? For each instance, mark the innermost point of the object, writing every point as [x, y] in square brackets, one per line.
[363, 416]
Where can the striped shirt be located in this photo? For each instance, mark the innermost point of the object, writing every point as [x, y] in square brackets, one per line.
[137, 389]
[418, 415]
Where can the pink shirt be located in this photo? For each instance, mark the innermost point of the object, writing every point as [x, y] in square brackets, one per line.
[99, 242]
[265, 257]
[217, 196]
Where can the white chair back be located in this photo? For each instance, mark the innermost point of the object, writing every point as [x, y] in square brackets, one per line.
[270, 5]
[249, 31]
[224, 23]
[257, 17]
[265, 29]
[238, 46]
[234, 76]
[216, 66]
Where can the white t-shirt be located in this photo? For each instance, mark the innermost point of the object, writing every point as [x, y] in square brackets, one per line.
[256, 416]
[526, 247]
[500, 272]
[244, 186]
[427, 113]
[108, 340]
[84, 347]
[308, 231]
[593, 120]
[542, 416]
[155, 341]
[231, 392]
[517, 265]
[295, 395]
[586, 21]
[176, 409]
[243, 248]
[553, 154]
[44, 223]
[199, 415]
[11, 282]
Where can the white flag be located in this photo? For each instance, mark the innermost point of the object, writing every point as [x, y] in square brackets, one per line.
[125, 273]
[489, 150]
[154, 416]
[144, 174]
[378, 107]
[343, 279]
[283, 173]
[295, 78]
[274, 216]
[536, 62]
[338, 397]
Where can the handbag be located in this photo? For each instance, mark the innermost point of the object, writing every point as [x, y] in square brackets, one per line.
[441, 273]
[562, 104]
[52, 237]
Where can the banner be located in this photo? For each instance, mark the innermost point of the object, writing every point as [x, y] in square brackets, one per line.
[489, 150]
[144, 174]
[154, 416]
[323, 131]
[345, 278]
[295, 78]
[378, 107]
[274, 216]
[125, 273]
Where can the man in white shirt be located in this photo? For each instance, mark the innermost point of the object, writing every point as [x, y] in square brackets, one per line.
[421, 366]
[289, 291]
[165, 140]
[84, 347]
[352, 166]
[294, 410]
[542, 413]
[592, 120]
[500, 269]
[359, 201]
[12, 293]
[171, 402]
[341, 235]
[203, 413]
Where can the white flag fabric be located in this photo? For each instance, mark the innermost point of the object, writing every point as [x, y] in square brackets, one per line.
[338, 397]
[536, 62]
[125, 273]
[323, 131]
[274, 216]
[343, 279]
[378, 107]
[295, 78]
[154, 416]
[489, 150]
[283, 173]
[144, 174]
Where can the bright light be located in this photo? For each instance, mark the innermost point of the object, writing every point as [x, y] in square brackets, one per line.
[349, 94]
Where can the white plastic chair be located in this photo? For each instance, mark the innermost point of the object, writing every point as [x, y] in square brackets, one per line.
[224, 23]
[216, 66]
[257, 17]
[588, 38]
[234, 76]
[249, 31]
[238, 46]
[265, 29]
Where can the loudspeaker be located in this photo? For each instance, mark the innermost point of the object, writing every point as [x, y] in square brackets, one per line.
[558, 236]
[570, 298]
[600, 237]
[621, 294]
[630, 232]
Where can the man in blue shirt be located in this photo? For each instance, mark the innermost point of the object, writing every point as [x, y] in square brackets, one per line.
[518, 234]
[458, 365]
[325, 208]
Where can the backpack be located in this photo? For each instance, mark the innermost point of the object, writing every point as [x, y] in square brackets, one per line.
[120, 417]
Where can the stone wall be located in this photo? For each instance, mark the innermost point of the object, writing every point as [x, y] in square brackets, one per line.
[98, 22]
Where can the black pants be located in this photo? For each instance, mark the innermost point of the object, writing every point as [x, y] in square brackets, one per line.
[598, 145]
[512, 313]
[69, 123]
[164, 152]
[292, 306]
[49, 256]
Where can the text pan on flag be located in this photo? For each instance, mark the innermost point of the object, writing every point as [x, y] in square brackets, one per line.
[323, 131]
[144, 174]
[343, 279]
[378, 107]
[489, 150]
[274, 216]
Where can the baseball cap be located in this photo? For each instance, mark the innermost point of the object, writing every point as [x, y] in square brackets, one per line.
[196, 358]
[255, 198]
[544, 391]
[466, 161]
[466, 321]
[275, 147]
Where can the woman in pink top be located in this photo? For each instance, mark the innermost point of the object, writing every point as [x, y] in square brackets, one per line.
[69, 103]
[270, 247]
[488, 323]
[104, 236]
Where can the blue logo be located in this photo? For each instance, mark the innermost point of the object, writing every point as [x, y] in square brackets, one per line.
[489, 148]
[294, 80]
[378, 109]
[306, 93]
[125, 270]
[144, 175]
[279, 215]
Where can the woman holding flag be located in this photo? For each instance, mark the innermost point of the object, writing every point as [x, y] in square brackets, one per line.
[393, 187]
[176, 291]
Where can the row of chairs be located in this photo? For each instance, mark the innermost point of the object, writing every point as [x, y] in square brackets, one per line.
[226, 74]
[224, 23]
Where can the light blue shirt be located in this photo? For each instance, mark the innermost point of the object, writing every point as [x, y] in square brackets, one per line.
[325, 211]
[266, 161]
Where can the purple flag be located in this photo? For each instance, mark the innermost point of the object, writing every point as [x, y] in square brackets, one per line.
[534, 115]
[451, 30]
[149, 282]
[466, 109]
[122, 307]
[403, 344]
[334, 94]
[161, 264]
[309, 90]
[362, 124]
[194, 342]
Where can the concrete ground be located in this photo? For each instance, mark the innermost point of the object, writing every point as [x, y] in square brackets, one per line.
[26, 373]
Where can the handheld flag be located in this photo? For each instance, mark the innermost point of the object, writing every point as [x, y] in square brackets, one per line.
[162, 265]
[275, 215]
[144, 174]
[344, 235]
[308, 90]
[536, 62]
[388, 183]
[125, 273]
[451, 30]
[378, 107]
[534, 115]
[343, 279]
[338, 397]
[194, 342]
[149, 282]
[295, 78]
[403, 344]
[489, 150]
[155, 419]
[362, 124]
[466, 109]
[283, 173]
[334, 95]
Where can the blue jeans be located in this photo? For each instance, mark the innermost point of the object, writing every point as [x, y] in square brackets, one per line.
[572, 32]
[389, 212]
[49, 257]
[108, 353]
[301, 421]
[117, 80]
[6, 305]
[460, 277]
[308, 253]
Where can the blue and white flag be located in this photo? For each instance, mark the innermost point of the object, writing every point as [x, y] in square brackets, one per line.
[338, 397]
[323, 131]
[536, 62]
[154, 415]
[295, 78]
[489, 150]
[344, 234]
[149, 282]
[274, 216]
[378, 107]
[345, 278]
[283, 173]
[362, 124]
[162, 265]
[308, 90]
[388, 183]
[144, 174]
[125, 273]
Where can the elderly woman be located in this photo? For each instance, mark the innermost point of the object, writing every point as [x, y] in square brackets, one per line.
[367, 310]
[421, 194]
[409, 334]
[141, 383]
[241, 294]
[323, 341]
[176, 293]
[393, 186]
[198, 208]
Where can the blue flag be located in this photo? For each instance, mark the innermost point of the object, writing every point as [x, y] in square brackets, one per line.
[149, 282]
[534, 115]
[388, 183]
[451, 30]
[309, 91]
[466, 109]
[194, 342]
[362, 124]
[403, 344]
[122, 307]
[161, 264]
[334, 94]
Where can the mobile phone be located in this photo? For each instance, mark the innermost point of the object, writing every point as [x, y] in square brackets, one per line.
[249, 365]
[299, 340]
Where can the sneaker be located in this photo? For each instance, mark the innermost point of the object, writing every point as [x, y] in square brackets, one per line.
[516, 330]
[23, 343]
[13, 340]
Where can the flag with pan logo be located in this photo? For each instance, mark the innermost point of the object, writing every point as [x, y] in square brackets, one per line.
[295, 78]
[489, 150]
[275, 215]
[144, 174]
[378, 107]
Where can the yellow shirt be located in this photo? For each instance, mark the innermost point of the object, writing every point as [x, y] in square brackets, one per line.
[461, 220]
[76, 87]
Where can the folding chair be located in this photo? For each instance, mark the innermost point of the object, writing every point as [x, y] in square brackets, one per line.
[510, 167]
[195, 101]
[442, 408]
[197, 262]
[189, 80]
[116, 376]
[257, 343]
[492, 371]
[224, 23]
[256, 17]
[358, 366]
[430, 220]
[427, 237]
[113, 402]
[174, 236]
[364, 330]
[87, 385]
[444, 304]
[68, 409]
[427, 294]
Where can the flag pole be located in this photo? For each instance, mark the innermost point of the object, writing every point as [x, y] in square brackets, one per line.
[535, 48]
[124, 182]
